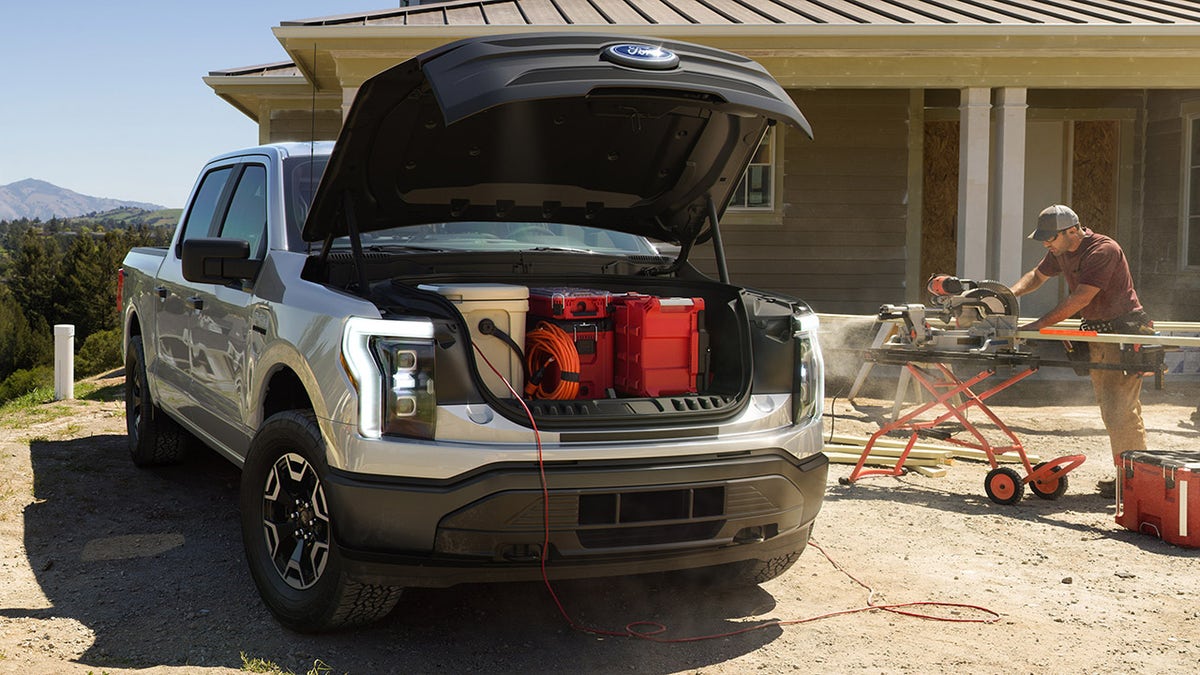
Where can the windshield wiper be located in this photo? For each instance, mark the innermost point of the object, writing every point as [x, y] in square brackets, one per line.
[563, 249]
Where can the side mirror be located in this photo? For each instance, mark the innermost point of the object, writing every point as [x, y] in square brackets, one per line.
[217, 261]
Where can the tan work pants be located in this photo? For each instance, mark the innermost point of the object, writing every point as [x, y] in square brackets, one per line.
[1119, 396]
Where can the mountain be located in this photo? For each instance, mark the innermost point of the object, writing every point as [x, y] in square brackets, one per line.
[31, 198]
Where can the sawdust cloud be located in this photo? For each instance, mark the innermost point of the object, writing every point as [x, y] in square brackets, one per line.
[843, 341]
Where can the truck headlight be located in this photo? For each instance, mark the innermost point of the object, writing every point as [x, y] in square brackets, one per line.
[391, 366]
[808, 379]
[409, 398]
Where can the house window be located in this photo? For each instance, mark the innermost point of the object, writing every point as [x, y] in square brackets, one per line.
[757, 187]
[1191, 212]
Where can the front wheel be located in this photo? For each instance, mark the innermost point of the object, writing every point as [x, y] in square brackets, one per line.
[288, 528]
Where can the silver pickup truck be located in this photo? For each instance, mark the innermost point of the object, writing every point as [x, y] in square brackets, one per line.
[367, 329]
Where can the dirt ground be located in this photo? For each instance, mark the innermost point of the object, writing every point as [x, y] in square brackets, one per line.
[108, 568]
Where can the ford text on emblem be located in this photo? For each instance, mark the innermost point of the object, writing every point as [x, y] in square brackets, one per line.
[641, 56]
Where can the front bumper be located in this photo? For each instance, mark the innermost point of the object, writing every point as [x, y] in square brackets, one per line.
[603, 518]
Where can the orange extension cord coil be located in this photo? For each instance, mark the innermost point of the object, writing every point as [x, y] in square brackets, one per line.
[553, 363]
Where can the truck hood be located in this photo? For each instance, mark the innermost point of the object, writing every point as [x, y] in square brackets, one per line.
[624, 133]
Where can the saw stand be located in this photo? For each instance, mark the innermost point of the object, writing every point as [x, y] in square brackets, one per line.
[1003, 485]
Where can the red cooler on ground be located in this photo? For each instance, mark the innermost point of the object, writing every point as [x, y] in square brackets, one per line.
[657, 344]
[1158, 493]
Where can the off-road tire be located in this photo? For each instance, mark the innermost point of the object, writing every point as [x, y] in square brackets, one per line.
[286, 461]
[154, 438]
[741, 574]
[754, 572]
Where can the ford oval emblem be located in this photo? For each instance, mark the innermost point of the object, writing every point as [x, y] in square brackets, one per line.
[636, 55]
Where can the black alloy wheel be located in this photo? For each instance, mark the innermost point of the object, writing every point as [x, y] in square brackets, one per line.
[295, 521]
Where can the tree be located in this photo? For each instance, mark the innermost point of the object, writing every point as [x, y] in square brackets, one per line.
[85, 290]
[23, 344]
[32, 273]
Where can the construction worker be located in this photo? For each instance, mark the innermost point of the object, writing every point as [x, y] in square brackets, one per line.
[1101, 292]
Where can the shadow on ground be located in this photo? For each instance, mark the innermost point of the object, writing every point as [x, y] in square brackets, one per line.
[151, 562]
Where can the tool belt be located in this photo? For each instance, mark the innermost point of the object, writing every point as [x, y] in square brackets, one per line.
[1139, 358]
[1132, 323]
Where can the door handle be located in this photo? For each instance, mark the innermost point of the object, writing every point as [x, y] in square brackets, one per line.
[161, 291]
[195, 302]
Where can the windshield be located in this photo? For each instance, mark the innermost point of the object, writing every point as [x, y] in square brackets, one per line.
[302, 174]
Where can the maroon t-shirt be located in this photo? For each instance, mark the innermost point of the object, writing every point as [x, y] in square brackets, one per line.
[1100, 262]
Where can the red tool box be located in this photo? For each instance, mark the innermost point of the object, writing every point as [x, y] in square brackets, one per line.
[1158, 493]
[584, 315]
[657, 344]
[569, 303]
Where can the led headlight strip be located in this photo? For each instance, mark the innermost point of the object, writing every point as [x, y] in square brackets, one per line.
[809, 379]
[364, 370]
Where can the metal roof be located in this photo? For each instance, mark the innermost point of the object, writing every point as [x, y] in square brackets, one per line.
[277, 69]
[775, 12]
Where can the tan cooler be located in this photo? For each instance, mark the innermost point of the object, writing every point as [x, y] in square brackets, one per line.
[506, 305]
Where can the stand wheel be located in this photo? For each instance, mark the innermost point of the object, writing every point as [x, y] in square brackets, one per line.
[1003, 485]
[1049, 488]
[844, 481]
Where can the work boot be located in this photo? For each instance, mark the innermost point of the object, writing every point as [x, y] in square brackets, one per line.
[1107, 488]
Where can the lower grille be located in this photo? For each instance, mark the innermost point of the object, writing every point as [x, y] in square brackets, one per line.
[651, 535]
[642, 507]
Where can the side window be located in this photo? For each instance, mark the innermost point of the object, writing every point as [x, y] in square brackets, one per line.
[200, 216]
[247, 215]
[755, 190]
[1191, 193]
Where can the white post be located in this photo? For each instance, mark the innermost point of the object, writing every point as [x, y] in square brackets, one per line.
[64, 361]
[1009, 197]
[974, 144]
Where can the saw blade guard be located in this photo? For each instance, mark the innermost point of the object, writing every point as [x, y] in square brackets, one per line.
[988, 299]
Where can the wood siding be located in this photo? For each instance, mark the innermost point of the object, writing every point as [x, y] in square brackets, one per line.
[1168, 293]
[837, 237]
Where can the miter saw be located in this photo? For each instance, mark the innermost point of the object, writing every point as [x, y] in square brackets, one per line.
[971, 316]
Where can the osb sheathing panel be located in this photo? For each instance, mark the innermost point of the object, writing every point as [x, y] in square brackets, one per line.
[1094, 175]
[939, 208]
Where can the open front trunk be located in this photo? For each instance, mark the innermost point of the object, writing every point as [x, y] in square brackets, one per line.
[651, 350]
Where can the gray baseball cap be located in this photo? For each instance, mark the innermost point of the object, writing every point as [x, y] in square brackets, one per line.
[1052, 220]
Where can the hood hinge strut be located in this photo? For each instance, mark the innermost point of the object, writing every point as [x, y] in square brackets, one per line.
[360, 264]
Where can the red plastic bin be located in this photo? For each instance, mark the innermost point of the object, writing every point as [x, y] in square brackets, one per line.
[584, 314]
[657, 344]
[594, 343]
[1158, 493]
[569, 303]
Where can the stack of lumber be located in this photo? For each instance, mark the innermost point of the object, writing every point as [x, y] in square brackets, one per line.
[928, 459]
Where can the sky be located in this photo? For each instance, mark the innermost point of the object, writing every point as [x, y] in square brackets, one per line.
[106, 97]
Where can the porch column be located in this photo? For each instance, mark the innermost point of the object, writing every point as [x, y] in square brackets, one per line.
[264, 123]
[974, 143]
[1009, 195]
[348, 94]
